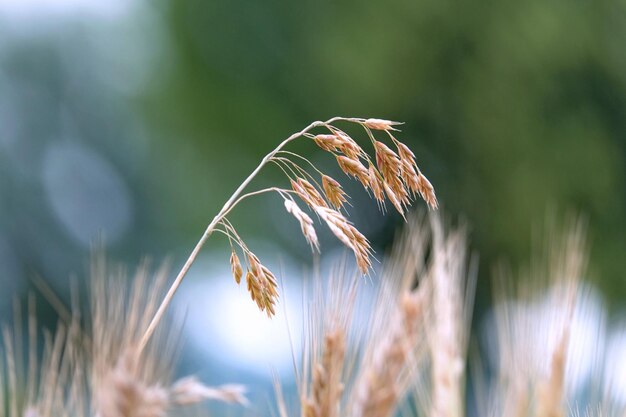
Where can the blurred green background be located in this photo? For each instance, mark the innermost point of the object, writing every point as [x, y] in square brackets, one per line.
[133, 121]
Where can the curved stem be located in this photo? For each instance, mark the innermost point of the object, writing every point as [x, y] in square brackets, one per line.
[209, 230]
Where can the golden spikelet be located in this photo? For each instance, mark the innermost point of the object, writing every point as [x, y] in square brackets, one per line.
[235, 266]
[391, 195]
[334, 193]
[326, 386]
[379, 391]
[388, 161]
[330, 143]
[376, 185]
[346, 144]
[262, 285]
[306, 224]
[381, 124]
[427, 191]
[447, 328]
[349, 235]
[311, 193]
[354, 168]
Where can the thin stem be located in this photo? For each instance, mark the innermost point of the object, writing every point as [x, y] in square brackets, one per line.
[281, 168]
[284, 165]
[304, 159]
[370, 135]
[301, 170]
[280, 191]
[230, 203]
[231, 237]
[231, 230]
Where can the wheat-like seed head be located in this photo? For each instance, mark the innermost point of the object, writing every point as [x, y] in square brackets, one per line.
[427, 191]
[383, 383]
[348, 234]
[334, 193]
[354, 168]
[330, 143]
[327, 384]
[450, 316]
[388, 161]
[380, 124]
[235, 267]
[393, 197]
[306, 223]
[262, 285]
[534, 323]
[376, 185]
[423, 331]
[347, 145]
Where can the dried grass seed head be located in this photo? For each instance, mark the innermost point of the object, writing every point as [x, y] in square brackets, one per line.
[312, 193]
[427, 191]
[381, 124]
[123, 394]
[376, 184]
[391, 195]
[328, 142]
[354, 168]
[347, 145]
[327, 385]
[388, 161]
[235, 266]
[349, 235]
[308, 193]
[395, 348]
[334, 192]
[406, 154]
[306, 224]
[262, 285]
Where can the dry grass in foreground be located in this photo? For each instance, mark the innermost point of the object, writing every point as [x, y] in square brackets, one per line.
[411, 355]
[92, 368]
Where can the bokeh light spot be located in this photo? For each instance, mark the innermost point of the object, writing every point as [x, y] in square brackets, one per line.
[87, 195]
